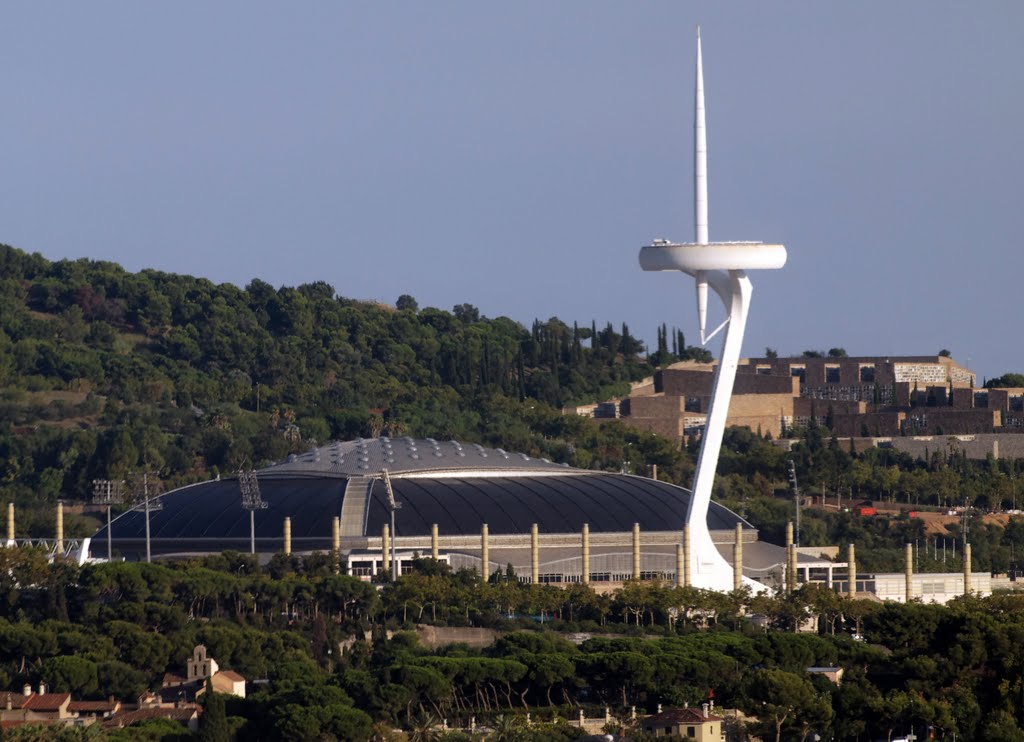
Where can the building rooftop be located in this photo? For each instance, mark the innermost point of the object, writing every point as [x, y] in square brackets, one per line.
[370, 456]
[458, 487]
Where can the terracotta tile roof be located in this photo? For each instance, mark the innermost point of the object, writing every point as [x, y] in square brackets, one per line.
[12, 723]
[130, 717]
[98, 706]
[17, 699]
[231, 675]
[172, 679]
[47, 701]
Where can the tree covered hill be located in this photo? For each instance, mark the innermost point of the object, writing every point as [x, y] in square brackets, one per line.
[104, 372]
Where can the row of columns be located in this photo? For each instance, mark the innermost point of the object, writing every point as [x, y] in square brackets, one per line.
[682, 554]
[909, 570]
[59, 531]
[851, 561]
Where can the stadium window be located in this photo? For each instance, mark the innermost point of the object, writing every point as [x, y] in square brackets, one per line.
[831, 374]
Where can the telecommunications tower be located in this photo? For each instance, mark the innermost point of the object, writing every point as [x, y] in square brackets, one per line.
[723, 267]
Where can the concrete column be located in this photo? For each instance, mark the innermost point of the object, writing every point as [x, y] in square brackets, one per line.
[680, 566]
[908, 568]
[636, 551]
[336, 536]
[60, 527]
[687, 554]
[287, 536]
[654, 471]
[737, 559]
[385, 548]
[586, 553]
[967, 569]
[435, 552]
[851, 558]
[830, 583]
[10, 521]
[534, 554]
[485, 553]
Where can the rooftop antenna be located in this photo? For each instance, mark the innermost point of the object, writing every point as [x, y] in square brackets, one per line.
[723, 267]
[392, 507]
[249, 487]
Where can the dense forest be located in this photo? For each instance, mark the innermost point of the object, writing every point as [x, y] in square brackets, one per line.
[338, 657]
[105, 372]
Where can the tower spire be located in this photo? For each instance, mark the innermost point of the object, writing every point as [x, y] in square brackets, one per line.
[700, 189]
[700, 157]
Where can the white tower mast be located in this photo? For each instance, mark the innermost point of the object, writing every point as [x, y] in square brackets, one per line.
[723, 267]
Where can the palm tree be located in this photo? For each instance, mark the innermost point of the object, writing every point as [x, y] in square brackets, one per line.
[506, 728]
[424, 730]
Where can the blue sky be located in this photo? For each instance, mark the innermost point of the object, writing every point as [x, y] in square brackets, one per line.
[517, 155]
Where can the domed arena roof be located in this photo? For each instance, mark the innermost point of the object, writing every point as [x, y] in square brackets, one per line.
[456, 486]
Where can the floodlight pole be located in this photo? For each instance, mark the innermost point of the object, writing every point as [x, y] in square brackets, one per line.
[249, 486]
[145, 494]
[796, 497]
[107, 492]
[147, 506]
[392, 506]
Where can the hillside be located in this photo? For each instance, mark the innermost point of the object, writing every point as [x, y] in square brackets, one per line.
[104, 372]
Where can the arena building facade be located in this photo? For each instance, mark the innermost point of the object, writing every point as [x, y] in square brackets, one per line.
[461, 503]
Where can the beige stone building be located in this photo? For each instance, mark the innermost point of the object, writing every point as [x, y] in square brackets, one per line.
[862, 397]
[688, 723]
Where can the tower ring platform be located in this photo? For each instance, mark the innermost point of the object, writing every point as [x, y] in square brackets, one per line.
[691, 257]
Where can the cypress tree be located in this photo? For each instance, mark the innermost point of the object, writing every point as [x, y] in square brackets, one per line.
[521, 373]
[213, 724]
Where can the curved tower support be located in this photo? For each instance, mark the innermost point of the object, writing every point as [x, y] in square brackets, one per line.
[708, 569]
